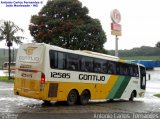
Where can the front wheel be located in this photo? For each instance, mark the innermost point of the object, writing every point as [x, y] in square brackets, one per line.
[72, 97]
[132, 96]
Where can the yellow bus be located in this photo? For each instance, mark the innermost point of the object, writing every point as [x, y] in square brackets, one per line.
[51, 73]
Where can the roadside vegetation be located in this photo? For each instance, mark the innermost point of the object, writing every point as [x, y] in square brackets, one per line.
[141, 53]
[155, 58]
[5, 79]
[157, 95]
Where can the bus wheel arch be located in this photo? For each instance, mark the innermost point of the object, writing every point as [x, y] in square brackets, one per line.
[84, 97]
[133, 95]
[72, 97]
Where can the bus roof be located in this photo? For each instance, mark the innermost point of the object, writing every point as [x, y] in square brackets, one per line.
[82, 52]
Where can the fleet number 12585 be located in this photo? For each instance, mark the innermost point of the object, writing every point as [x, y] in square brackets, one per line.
[60, 75]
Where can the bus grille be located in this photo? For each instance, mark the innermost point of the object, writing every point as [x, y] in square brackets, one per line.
[53, 88]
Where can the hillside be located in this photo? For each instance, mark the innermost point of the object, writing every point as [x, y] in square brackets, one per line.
[142, 53]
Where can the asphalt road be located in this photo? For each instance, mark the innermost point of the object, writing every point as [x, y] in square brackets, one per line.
[16, 107]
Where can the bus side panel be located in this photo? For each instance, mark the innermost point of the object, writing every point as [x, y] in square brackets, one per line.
[97, 90]
[134, 84]
[63, 89]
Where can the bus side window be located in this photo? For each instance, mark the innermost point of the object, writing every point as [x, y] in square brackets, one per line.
[61, 60]
[111, 67]
[131, 70]
[97, 66]
[118, 68]
[123, 69]
[105, 67]
[135, 71]
[72, 61]
[87, 64]
[53, 59]
[126, 72]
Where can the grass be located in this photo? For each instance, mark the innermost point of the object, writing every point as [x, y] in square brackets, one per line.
[5, 79]
[157, 95]
[155, 58]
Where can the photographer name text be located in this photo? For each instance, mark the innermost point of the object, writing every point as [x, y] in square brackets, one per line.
[25, 3]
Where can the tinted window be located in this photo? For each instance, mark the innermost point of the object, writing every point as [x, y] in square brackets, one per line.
[57, 59]
[72, 62]
[87, 64]
[118, 65]
[124, 69]
[53, 59]
[100, 66]
[135, 71]
[105, 66]
[111, 67]
[76, 62]
[61, 60]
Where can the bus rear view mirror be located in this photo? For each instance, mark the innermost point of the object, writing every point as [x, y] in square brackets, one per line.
[148, 77]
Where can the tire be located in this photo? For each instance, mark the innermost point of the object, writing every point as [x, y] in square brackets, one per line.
[132, 96]
[72, 97]
[111, 100]
[84, 98]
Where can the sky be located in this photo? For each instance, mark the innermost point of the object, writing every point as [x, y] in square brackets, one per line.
[140, 20]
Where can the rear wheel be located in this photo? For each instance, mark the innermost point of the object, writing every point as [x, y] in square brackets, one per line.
[84, 98]
[72, 97]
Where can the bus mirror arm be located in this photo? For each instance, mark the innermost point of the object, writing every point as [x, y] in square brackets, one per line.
[148, 76]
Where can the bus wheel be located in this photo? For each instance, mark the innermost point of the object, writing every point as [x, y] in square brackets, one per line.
[132, 96]
[84, 98]
[111, 100]
[72, 97]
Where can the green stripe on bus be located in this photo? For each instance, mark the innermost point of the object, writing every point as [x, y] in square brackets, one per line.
[115, 87]
[122, 87]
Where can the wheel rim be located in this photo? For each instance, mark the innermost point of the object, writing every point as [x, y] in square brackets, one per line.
[85, 97]
[72, 97]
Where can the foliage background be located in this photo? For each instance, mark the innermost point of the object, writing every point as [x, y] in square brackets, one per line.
[66, 23]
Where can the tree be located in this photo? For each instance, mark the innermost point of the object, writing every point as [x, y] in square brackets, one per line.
[7, 32]
[65, 23]
[158, 44]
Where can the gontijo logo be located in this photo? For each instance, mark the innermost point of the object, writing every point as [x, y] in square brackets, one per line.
[29, 57]
[29, 50]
